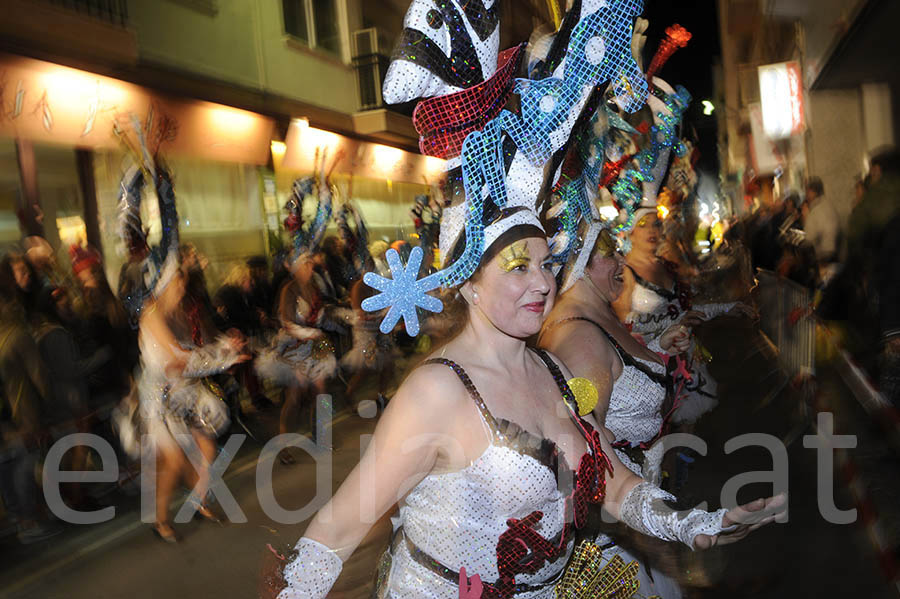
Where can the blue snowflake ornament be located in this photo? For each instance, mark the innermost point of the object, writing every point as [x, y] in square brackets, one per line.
[403, 292]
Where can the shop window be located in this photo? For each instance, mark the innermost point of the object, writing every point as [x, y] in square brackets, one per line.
[313, 22]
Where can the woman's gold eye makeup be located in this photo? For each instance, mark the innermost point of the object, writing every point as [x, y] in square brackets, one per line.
[513, 256]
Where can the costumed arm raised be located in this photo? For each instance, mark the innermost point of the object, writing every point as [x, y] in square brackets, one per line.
[403, 450]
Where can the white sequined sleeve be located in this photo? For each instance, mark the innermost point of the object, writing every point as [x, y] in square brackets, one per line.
[312, 573]
[644, 510]
[715, 310]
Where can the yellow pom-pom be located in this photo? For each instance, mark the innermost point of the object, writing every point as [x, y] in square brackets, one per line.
[586, 395]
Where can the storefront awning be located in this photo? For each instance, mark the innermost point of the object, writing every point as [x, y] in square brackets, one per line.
[866, 52]
[50, 103]
[305, 144]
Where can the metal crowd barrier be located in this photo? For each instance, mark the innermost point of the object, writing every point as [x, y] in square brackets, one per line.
[786, 317]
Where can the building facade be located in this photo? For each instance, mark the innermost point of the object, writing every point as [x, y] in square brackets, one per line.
[841, 47]
[249, 92]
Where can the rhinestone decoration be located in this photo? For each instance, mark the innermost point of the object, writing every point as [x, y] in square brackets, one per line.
[588, 578]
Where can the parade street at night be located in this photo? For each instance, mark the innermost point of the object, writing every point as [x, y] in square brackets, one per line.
[449, 299]
[123, 559]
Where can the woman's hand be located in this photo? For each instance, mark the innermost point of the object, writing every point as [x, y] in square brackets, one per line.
[692, 318]
[744, 520]
[676, 339]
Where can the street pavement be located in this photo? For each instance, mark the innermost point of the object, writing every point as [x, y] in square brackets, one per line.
[806, 557]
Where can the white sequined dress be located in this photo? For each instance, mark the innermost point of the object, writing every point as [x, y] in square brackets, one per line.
[634, 414]
[655, 309]
[455, 520]
[291, 361]
[372, 349]
[171, 404]
[635, 417]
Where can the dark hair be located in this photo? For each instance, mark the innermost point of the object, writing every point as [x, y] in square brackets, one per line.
[7, 276]
[815, 184]
[888, 160]
[257, 262]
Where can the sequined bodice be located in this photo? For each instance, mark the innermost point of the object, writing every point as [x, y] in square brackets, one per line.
[634, 413]
[635, 403]
[458, 518]
[653, 308]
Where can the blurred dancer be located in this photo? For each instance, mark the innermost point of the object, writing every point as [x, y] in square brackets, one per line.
[653, 299]
[175, 405]
[301, 358]
[373, 351]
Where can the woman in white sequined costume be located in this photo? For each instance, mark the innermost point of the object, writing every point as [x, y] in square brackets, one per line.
[653, 300]
[631, 379]
[471, 444]
[372, 350]
[300, 358]
[175, 406]
[473, 462]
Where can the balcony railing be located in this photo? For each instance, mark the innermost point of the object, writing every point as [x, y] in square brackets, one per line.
[114, 12]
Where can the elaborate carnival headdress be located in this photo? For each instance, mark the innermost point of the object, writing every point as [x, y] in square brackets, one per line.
[356, 238]
[636, 188]
[158, 264]
[597, 167]
[497, 158]
[307, 239]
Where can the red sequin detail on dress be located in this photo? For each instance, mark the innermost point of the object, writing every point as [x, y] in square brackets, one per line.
[521, 550]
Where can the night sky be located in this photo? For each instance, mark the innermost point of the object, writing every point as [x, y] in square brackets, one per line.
[691, 66]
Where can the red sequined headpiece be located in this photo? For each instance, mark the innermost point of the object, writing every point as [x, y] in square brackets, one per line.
[444, 122]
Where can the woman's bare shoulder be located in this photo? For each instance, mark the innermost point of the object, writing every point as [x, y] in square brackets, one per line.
[431, 388]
